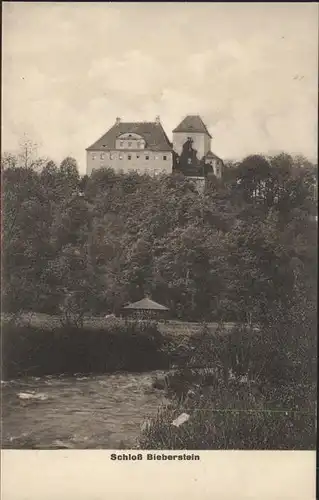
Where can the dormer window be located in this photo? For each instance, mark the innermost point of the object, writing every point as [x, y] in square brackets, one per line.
[129, 141]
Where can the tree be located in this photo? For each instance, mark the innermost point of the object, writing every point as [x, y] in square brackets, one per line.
[186, 272]
[69, 175]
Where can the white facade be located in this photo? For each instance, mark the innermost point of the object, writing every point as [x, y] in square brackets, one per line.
[141, 161]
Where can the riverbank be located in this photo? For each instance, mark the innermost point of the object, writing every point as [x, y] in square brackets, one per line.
[38, 345]
[232, 388]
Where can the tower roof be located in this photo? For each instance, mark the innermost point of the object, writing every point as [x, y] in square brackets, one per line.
[153, 133]
[192, 123]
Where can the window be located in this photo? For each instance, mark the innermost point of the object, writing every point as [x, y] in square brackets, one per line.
[156, 157]
[164, 157]
[121, 157]
[129, 157]
[111, 156]
[138, 144]
[129, 144]
[93, 156]
[102, 156]
[121, 144]
[147, 157]
[189, 161]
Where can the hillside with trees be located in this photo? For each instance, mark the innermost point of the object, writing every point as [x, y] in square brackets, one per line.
[245, 247]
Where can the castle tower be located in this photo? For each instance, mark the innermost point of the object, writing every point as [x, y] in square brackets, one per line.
[192, 147]
[192, 128]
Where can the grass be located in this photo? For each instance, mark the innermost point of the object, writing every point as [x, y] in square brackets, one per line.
[236, 416]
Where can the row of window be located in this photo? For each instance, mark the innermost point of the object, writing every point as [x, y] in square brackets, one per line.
[121, 156]
[131, 144]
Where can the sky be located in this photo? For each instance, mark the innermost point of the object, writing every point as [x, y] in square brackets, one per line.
[250, 71]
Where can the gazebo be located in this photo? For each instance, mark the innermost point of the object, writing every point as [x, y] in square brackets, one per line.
[146, 309]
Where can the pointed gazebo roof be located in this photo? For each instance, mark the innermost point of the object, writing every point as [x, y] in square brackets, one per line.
[146, 304]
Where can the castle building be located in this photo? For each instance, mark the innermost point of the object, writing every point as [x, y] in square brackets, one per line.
[145, 148]
[140, 146]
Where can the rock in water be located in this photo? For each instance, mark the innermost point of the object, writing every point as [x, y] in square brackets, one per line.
[27, 395]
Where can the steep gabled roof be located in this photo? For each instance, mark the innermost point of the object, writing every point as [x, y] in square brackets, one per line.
[147, 303]
[192, 123]
[153, 133]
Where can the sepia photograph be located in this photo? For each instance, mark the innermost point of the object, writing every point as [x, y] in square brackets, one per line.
[159, 227]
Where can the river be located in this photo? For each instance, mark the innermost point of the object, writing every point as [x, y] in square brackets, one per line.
[80, 412]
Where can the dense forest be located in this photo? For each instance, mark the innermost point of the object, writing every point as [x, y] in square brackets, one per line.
[245, 247]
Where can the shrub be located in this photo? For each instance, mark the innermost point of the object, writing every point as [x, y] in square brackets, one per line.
[281, 351]
[36, 351]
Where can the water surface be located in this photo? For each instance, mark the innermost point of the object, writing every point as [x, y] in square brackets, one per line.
[93, 412]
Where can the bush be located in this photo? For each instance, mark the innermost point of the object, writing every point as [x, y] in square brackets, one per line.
[37, 351]
[237, 417]
[279, 352]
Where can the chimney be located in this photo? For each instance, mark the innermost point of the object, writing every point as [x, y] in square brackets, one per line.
[118, 121]
[157, 120]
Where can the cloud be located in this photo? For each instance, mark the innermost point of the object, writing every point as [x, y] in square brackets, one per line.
[70, 69]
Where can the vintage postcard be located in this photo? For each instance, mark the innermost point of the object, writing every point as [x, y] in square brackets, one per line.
[159, 250]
